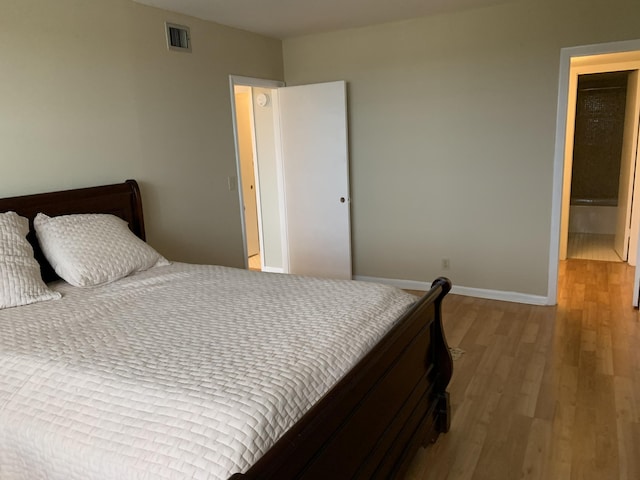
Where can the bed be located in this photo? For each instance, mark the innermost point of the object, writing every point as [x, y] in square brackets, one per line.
[85, 391]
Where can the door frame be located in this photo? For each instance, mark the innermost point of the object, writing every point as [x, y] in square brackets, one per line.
[575, 72]
[566, 55]
[238, 80]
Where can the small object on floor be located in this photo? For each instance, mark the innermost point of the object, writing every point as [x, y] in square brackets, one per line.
[456, 352]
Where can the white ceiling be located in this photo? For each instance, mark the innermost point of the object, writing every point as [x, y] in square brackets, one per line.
[290, 18]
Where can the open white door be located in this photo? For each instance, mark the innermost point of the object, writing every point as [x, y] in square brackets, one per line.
[313, 130]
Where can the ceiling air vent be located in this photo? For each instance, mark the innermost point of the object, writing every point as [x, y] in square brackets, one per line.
[178, 37]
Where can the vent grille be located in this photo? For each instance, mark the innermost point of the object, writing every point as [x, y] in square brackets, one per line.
[178, 37]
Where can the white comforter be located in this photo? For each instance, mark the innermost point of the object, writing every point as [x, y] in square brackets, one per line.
[181, 371]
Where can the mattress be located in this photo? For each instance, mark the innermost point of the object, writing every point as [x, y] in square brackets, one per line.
[181, 371]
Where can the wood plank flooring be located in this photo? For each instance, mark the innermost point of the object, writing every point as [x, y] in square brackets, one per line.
[544, 392]
[254, 262]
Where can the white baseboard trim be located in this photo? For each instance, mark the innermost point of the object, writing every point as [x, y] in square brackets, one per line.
[503, 295]
[273, 269]
[466, 291]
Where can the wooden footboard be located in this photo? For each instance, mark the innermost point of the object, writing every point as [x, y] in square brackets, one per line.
[374, 420]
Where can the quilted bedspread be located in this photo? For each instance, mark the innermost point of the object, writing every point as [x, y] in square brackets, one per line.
[181, 371]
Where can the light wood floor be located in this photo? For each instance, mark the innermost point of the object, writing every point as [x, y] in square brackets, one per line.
[544, 392]
[254, 262]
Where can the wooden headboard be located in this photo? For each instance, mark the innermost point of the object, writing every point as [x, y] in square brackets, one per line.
[121, 199]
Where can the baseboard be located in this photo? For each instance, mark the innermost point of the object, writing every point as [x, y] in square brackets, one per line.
[504, 296]
[273, 269]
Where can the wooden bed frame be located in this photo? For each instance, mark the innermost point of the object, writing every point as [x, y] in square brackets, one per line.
[372, 422]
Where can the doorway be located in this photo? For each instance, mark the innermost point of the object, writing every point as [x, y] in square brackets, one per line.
[575, 61]
[258, 173]
[596, 177]
[246, 155]
[300, 175]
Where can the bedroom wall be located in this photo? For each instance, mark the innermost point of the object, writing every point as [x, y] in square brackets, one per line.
[452, 128]
[91, 95]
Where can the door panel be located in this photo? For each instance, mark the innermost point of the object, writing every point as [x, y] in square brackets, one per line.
[634, 91]
[627, 170]
[313, 126]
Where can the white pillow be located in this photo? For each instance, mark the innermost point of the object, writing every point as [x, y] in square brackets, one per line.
[20, 279]
[93, 249]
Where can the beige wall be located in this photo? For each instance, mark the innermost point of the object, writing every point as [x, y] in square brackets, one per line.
[452, 127]
[91, 95]
[452, 124]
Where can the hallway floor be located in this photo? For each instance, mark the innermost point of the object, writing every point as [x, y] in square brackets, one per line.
[547, 393]
[254, 262]
[591, 246]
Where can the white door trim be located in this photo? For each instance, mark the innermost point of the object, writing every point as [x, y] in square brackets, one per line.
[566, 54]
[282, 197]
[254, 82]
